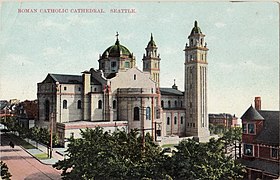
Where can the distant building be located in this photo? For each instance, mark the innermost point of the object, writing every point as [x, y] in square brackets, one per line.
[118, 94]
[223, 119]
[260, 140]
[27, 113]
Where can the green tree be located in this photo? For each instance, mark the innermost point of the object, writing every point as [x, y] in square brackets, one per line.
[5, 174]
[195, 160]
[121, 155]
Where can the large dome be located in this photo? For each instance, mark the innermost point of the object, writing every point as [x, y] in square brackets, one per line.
[116, 50]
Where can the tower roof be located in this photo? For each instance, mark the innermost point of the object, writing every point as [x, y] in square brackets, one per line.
[252, 114]
[116, 50]
[196, 29]
[152, 42]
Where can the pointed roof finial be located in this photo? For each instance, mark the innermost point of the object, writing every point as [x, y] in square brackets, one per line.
[195, 23]
[174, 81]
[152, 38]
[117, 41]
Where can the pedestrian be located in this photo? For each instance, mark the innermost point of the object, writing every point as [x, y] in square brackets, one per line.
[11, 144]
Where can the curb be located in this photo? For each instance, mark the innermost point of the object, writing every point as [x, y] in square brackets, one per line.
[34, 156]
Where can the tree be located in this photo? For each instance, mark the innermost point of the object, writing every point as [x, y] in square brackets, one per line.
[5, 174]
[203, 161]
[100, 155]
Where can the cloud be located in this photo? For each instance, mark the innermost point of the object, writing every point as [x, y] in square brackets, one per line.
[220, 24]
[18, 59]
[50, 51]
[77, 20]
[47, 23]
[247, 65]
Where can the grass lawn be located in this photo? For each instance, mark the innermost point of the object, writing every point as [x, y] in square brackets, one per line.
[168, 145]
[41, 156]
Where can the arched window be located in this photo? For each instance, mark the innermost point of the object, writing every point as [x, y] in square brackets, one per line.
[182, 120]
[168, 120]
[175, 103]
[136, 114]
[162, 103]
[148, 113]
[99, 104]
[169, 104]
[79, 104]
[47, 110]
[181, 103]
[64, 105]
[114, 104]
[175, 120]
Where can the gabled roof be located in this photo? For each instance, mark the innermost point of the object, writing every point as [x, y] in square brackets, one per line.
[251, 114]
[171, 91]
[270, 131]
[65, 79]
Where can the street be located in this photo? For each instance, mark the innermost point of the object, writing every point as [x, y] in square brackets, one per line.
[23, 166]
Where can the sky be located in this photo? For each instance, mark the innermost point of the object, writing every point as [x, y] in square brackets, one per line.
[243, 42]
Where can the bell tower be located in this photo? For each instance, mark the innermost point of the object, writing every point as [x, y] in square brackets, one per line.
[197, 123]
[151, 61]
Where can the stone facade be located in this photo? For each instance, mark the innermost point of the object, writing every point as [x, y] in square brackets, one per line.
[120, 92]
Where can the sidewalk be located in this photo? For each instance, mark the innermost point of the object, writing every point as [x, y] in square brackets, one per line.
[57, 153]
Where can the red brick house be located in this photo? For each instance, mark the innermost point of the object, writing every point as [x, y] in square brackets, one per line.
[223, 119]
[260, 139]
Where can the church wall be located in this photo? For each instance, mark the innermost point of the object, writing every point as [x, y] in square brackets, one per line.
[175, 101]
[70, 93]
[96, 112]
[45, 93]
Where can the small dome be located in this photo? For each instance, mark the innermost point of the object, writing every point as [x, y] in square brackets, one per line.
[196, 29]
[152, 42]
[116, 50]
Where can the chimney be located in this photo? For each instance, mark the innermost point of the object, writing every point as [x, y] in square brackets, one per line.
[258, 104]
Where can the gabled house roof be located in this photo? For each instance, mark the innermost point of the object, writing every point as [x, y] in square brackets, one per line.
[251, 114]
[270, 132]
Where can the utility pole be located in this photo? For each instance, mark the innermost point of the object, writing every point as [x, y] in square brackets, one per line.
[51, 134]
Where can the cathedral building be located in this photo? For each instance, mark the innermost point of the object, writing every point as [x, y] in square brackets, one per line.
[119, 95]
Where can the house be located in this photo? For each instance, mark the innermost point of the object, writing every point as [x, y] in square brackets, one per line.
[223, 119]
[260, 140]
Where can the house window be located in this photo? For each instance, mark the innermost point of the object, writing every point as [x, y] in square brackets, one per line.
[134, 77]
[168, 120]
[244, 128]
[148, 113]
[64, 105]
[175, 120]
[182, 120]
[248, 149]
[181, 103]
[99, 104]
[274, 153]
[79, 89]
[65, 88]
[169, 104]
[175, 103]
[162, 103]
[47, 110]
[251, 128]
[79, 104]
[113, 64]
[136, 114]
[114, 104]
